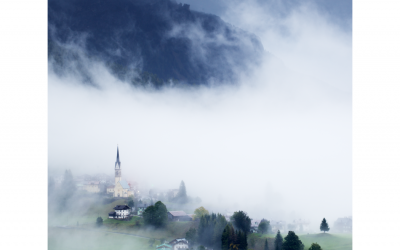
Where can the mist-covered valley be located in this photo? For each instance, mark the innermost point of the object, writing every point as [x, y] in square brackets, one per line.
[266, 132]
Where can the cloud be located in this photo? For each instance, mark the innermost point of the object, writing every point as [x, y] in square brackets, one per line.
[305, 39]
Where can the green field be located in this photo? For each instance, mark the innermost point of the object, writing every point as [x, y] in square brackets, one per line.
[87, 217]
[326, 241]
[67, 239]
[60, 239]
[106, 237]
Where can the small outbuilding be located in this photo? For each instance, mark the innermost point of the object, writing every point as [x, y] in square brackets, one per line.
[140, 208]
[178, 216]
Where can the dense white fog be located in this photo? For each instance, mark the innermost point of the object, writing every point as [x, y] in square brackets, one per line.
[277, 146]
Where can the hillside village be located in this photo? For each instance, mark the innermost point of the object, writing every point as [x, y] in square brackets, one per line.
[136, 207]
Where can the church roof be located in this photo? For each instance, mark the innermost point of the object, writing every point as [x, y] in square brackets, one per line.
[124, 184]
[117, 162]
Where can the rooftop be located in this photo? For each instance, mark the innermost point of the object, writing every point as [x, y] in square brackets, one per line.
[121, 207]
[177, 213]
[163, 246]
[178, 240]
[124, 184]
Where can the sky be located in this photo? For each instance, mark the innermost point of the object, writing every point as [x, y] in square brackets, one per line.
[277, 146]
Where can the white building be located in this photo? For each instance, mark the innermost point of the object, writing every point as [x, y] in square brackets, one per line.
[121, 212]
[343, 225]
[179, 244]
[110, 189]
[278, 225]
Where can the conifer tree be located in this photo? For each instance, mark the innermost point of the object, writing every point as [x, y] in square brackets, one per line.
[181, 196]
[232, 236]
[225, 238]
[67, 191]
[278, 241]
[292, 242]
[266, 244]
[218, 229]
[191, 236]
[202, 229]
[244, 241]
[324, 226]
[239, 239]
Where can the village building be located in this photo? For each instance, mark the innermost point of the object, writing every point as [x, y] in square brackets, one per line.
[92, 187]
[121, 212]
[254, 225]
[121, 187]
[80, 187]
[110, 189]
[277, 225]
[178, 216]
[171, 194]
[192, 216]
[164, 246]
[141, 208]
[300, 225]
[179, 244]
[343, 225]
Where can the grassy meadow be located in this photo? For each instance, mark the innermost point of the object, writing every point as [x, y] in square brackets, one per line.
[77, 239]
[326, 241]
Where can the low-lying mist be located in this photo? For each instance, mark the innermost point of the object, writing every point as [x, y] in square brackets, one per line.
[277, 145]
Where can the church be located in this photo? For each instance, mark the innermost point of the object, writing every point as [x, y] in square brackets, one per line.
[121, 187]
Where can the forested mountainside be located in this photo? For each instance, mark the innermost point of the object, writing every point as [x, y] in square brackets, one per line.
[148, 40]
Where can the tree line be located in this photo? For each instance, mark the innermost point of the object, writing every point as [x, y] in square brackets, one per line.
[216, 232]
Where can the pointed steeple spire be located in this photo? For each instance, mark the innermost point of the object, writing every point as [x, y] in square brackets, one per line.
[117, 162]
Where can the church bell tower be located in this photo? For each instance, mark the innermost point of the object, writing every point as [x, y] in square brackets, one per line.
[117, 169]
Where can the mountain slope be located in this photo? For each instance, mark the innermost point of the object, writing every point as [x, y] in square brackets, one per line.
[143, 40]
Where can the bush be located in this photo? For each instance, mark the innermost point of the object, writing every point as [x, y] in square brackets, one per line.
[99, 221]
[315, 246]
